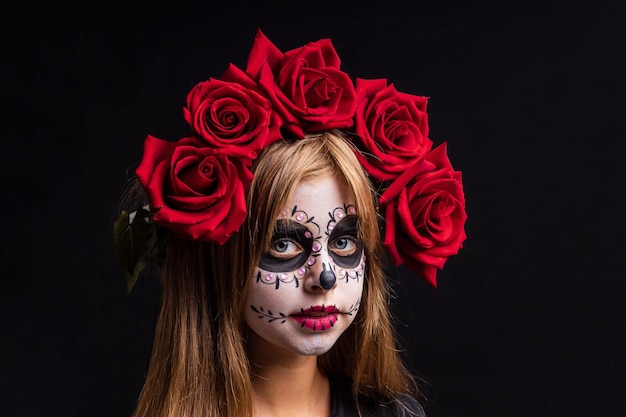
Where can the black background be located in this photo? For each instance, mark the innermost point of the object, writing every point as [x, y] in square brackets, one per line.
[527, 321]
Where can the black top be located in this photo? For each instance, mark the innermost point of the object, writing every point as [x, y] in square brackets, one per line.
[343, 404]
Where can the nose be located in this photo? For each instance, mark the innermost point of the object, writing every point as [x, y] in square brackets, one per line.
[327, 278]
[320, 277]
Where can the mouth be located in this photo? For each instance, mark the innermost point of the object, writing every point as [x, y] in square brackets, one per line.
[317, 318]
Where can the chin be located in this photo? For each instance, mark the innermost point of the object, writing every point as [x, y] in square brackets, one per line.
[316, 344]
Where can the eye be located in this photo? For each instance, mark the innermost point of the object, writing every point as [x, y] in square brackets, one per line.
[284, 248]
[343, 246]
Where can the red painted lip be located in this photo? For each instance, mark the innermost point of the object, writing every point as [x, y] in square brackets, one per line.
[317, 318]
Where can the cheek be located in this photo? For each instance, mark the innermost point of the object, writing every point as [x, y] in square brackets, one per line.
[268, 307]
[261, 296]
[273, 289]
[351, 274]
[278, 280]
[350, 282]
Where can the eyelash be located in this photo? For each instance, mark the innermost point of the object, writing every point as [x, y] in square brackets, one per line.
[297, 249]
[349, 240]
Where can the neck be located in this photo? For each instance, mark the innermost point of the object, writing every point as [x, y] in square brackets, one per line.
[286, 383]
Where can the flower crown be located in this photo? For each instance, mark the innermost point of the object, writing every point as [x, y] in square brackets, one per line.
[196, 185]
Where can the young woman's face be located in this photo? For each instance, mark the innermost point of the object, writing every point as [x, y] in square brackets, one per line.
[307, 287]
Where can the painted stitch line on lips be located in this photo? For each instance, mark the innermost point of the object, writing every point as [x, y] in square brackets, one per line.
[317, 318]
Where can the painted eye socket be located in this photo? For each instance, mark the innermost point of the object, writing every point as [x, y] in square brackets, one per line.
[343, 246]
[289, 248]
[284, 249]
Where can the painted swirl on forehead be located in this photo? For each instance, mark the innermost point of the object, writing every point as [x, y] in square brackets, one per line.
[347, 228]
[337, 214]
[302, 217]
[295, 232]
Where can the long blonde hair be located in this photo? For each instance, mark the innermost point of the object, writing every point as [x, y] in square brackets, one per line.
[199, 364]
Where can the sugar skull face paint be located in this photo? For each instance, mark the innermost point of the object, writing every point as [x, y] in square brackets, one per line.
[308, 285]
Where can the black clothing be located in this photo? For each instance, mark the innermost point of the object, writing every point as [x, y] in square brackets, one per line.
[343, 404]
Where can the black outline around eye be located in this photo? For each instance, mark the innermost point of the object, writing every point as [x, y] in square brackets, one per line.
[347, 228]
[289, 230]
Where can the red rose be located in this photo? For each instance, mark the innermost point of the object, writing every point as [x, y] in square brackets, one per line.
[392, 127]
[231, 113]
[305, 85]
[425, 213]
[197, 192]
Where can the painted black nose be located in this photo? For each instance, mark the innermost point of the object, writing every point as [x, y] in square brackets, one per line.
[327, 278]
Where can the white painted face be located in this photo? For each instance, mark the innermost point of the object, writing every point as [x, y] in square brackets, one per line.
[307, 287]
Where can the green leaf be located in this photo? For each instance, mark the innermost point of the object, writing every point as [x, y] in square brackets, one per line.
[131, 279]
[130, 243]
[137, 240]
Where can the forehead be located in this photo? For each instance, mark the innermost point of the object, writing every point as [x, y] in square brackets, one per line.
[320, 195]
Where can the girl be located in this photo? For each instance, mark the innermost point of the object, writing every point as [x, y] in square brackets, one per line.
[265, 220]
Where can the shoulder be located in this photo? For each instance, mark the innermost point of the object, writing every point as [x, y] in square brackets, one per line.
[344, 405]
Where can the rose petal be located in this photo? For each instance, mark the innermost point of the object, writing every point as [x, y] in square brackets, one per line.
[391, 127]
[427, 206]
